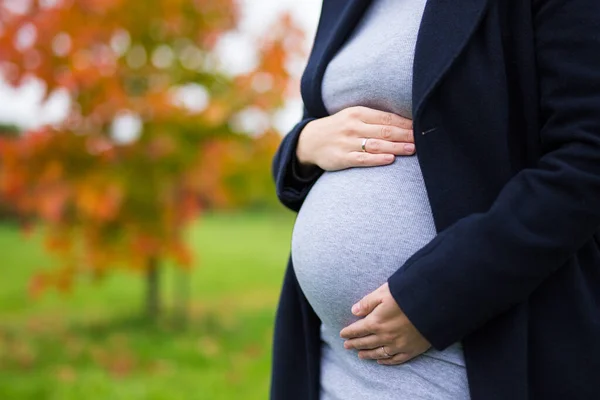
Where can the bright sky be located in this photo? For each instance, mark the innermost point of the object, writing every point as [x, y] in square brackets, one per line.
[23, 106]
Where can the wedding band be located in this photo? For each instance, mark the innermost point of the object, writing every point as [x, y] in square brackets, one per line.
[385, 352]
[364, 142]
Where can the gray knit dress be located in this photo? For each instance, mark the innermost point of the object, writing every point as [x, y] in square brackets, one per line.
[357, 226]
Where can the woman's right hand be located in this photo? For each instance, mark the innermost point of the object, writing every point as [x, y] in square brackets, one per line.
[334, 142]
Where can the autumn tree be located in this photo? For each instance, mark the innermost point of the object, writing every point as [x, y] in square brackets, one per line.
[109, 201]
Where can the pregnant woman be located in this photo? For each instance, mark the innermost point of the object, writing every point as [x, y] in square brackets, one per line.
[357, 225]
[446, 177]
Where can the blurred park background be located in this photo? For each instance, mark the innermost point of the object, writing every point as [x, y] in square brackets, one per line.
[142, 248]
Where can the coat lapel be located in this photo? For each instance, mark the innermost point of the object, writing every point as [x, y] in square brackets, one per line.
[445, 29]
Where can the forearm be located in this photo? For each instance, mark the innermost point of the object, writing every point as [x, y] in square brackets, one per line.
[488, 262]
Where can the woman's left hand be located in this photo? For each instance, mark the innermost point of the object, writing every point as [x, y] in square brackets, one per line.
[384, 325]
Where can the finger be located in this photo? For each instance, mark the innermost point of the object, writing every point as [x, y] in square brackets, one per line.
[397, 359]
[364, 343]
[357, 329]
[375, 354]
[386, 132]
[365, 305]
[378, 146]
[365, 159]
[377, 117]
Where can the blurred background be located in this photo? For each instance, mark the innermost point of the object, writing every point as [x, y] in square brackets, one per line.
[142, 248]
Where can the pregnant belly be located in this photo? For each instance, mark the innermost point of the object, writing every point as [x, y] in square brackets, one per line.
[355, 228]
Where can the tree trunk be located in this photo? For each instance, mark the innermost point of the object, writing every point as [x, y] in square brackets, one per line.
[181, 296]
[153, 289]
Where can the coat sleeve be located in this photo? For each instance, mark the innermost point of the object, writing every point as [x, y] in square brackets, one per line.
[487, 262]
[290, 186]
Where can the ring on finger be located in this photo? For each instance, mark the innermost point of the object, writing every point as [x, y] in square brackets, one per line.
[388, 355]
[364, 143]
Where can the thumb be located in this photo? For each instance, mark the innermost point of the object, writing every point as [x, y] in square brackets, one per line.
[366, 304]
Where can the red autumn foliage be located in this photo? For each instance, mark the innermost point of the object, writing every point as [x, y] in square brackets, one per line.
[106, 203]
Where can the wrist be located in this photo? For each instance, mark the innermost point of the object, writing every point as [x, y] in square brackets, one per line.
[305, 172]
[303, 156]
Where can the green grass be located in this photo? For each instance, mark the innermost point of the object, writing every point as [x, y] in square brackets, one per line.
[92, 344]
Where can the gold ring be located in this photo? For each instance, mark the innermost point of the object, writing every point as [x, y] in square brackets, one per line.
[364, 142]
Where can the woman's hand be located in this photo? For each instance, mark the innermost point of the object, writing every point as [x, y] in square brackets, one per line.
[384, 325]
[335, 142]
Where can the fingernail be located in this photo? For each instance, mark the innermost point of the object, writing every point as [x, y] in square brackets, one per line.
[409, 147]
[356, 308]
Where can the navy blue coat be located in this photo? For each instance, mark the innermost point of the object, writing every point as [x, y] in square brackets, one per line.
[506, 101]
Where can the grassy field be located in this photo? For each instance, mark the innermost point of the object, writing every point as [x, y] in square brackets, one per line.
[92, 344]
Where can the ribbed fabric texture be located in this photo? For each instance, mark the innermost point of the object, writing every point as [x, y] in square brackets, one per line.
[359, 225]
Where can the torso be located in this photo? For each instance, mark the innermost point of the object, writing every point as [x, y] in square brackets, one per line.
[359, 225]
